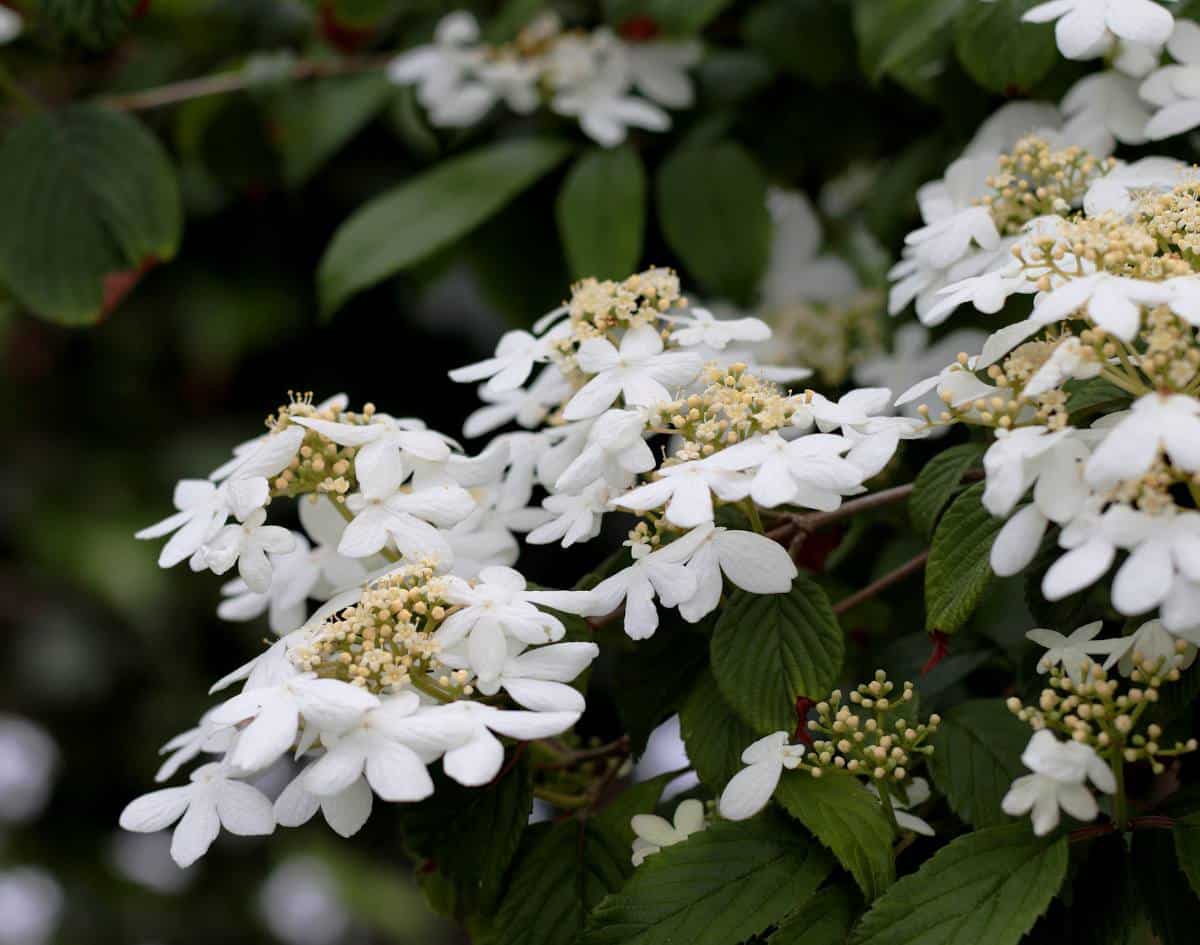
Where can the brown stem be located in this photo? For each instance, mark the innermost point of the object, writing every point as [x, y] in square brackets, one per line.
[222, 83]
[598, 623]
[882, 584]
[1153, 821]
[619, 747]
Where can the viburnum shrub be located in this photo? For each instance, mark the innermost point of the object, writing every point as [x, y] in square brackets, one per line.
[761, 468]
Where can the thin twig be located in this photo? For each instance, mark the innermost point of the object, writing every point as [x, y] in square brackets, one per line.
[599, 623]
[619, 747]
[223, 83]
[811, 521]
[882, 584]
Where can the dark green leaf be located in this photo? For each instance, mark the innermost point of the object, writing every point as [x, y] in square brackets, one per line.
[958, 571]
[313, 121]
[408, 224]
[1187, 848]
[602, 213]
[897, 36]
[1092, 396]
[719, 887]
[92, 201]
[770, 648]
[1168, 897]
[846, 818]
[559, 875]
[469, 835]
[640, 798]
[713, 212]
[937, 483]
[94, 24]
[999, 51]
[712, 732]
[824, 920]
[985, 888]
[976, 756]
[812, 39]
[1106, 908]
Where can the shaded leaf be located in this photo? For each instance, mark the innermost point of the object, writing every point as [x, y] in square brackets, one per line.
[999, 51]
[937, 483]
[976, 757]
[601, 213]
[824, 920]
[1169, 899]
[712, 733]
[958, 571]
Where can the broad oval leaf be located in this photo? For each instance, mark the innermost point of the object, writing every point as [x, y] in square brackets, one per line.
[846, 818]
[999, 51]
[937, 482]
[959, 571]
[719, 887]
[602, 213]
[768, 649]
[713, 211]
[985, 888]
[976, 756]
[92, 202]
[428, 212]
[712, 733]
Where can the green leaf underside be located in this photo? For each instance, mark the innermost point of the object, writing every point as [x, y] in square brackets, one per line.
[985, 888]
[601, 213]
[89, 194]
[937, 482]
[719, 887]
[977, 754]
[848, 820]
[959, 571]
[712, 733]
[429, 212]
[768, 649]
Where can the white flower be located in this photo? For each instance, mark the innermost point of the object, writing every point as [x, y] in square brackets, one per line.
[1110, 101]
[1169, 422]
[266, 455]
[750, 789]
[1173, 88]
[652, 832]
[248, 544]
[809, 471]
[516, 354]
[536, 677]
[659, 70]
[798, 271]
[1087, 29]
[346, 811]
[1112, 302]
[616, 451]
[208, 737]
[1164, 547]
[1154, 643]
[327, 706]
[915, 794]
[700, 327]
[211, 801]
[1060, 770]
[11, 25]
[853, 409]
[603, 106]
[446, 73]
[383, 513]
[499, 607]
[382, 446]
[573, 518]
[527, 406]
[203, 509]
[913, 358]
[686, 489]
[1117, 190]
[640, 370]
[956, 381]
[1074, 652]
[751, 561]
[658, 573]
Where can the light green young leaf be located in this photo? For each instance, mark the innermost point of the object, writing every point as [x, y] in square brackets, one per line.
[770, 648]
[985, 888]
[602, 213]
[719, 887]
[959, 571]
[91, 201]
[428, 212]
[976, 756]
[848, 820]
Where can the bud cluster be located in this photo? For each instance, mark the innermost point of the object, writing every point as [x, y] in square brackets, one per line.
[320, 467]
[1035, 180]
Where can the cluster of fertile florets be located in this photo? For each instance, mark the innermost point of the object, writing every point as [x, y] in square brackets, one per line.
[1100, 712]
[868, 734]
[380, 641]
[320, 466]
[1036, 179]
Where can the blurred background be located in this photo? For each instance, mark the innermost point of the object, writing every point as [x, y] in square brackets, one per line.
[106, 656]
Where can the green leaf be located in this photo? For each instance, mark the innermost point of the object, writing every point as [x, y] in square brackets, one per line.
[92, 201]
[314, 120]
[653, 678]
[640, 798]
[1094, 395]
[896, 36]
[469, 835]
[937, 483]
[847, 818]
[770, 648]
[824, 920]
[1187, 848]
[958, 571]
[718, 887]
[713, 212]
[976, 756]
[712, 733]
[811, 39]
[601, 213]
[1104, 886]
[1167, 896]
[429, 212]
[559, 875]
[999, 51]
[985, 888]
[93, 24]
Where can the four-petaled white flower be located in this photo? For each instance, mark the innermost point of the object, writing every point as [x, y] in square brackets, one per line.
[1087, 29]
[687, 490]
[701, 327]
[658, 573]
[572, 518]
[1169, 422]
[248, 543]
[810, 471]
[750, 789]
[751, 561]
[1173, 89]
[203, 508]
[640, 371]
[652, 833]
[1060, 770]
[214, 799]
[382, 445]
[616, 451]
[537, 677]
[511, 365]
[1074, 652]
[1112, 302]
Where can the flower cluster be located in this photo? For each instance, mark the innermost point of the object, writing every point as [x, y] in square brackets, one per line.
[590, 77]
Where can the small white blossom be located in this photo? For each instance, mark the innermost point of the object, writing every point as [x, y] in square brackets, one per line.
[751, 561]
[1075, 652]
[1087, 29]
[652, 832]
[640, 371]
[1060, 770]
[250, 544]
[750, 789]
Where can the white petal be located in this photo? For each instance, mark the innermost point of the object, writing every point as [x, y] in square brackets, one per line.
[244, 810]
[155, 811]
[755, 563]
[396, 773]
[750, 790]
[348, 811]
[196, 832]
[476, 762]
